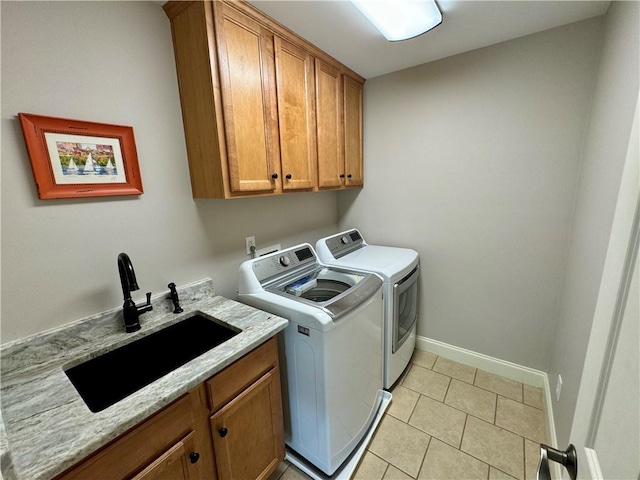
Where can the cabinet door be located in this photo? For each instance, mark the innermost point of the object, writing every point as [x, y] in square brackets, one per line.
[245, 51]
[329, 125]
[248, 438]
[178, 463]
[296, 115]
[143, 445]
[353, 131]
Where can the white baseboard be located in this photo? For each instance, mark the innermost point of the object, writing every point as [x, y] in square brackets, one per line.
[526, 375]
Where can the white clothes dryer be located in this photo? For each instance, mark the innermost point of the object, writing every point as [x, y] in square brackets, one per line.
[331, 351]
[399, 269]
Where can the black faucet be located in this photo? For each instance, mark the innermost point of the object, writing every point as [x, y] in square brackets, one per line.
[130, 311]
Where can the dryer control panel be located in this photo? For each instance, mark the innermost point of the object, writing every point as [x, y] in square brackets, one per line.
[281, 262]
[345, 243]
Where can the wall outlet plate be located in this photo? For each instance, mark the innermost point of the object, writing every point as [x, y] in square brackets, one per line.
[250, 242]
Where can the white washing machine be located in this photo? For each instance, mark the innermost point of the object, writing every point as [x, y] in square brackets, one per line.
[331, 352]
[399, 269]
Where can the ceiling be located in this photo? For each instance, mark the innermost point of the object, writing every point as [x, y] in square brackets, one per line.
[338, 28]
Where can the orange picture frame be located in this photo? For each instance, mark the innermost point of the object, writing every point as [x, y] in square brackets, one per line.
[75, 159]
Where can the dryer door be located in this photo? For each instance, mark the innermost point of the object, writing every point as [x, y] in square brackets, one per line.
[405, 307]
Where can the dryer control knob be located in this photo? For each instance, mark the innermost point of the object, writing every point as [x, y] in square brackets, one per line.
[285, 261]
[344, 240]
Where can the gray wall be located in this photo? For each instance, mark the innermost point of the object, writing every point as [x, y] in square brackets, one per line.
[473, 160]
[112, 62]
[605, 151]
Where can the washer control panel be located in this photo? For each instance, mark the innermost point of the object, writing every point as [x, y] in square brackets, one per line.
[282, 262]
[344, 243]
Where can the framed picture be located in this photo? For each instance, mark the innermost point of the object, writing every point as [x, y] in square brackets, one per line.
[73, 158]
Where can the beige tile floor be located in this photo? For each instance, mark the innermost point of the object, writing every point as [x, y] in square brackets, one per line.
[451, 421]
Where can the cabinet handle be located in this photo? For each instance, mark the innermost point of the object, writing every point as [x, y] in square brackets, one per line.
[342, 175]
[288, 176]
[274, 175]
[194, 457]
[222, 431]
[349, 176]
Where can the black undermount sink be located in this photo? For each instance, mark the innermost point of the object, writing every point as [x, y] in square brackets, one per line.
[107, 379]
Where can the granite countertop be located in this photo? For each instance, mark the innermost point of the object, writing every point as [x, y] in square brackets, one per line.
[45, 427]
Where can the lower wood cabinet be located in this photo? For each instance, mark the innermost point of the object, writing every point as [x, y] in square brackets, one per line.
[229, 427]
[178, 463]
[247, 439]
[247, 427]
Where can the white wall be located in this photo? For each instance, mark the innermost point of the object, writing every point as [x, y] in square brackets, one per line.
[112, 62]
[473, 160]
[605, 151]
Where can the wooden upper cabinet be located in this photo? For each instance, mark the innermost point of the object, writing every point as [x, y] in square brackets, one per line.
[296, 115]
[329, 125]
[353, 131]
[264, 111]
[339, 119]
[245, 52]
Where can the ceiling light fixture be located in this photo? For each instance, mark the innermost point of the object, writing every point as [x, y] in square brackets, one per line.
[401, 19]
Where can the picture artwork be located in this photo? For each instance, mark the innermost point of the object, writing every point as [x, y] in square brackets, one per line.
[75, 158]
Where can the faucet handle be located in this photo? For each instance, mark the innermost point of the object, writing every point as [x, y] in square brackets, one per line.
[174, 298]
[146, 307]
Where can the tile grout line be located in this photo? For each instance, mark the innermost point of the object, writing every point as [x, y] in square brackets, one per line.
[474, 457]
[501, 471]
[524, 458]
[386, 468]
[485, 461]
[434, 362]
[464, 429]
[398, 466]
[413, 409]
[467, 415]
[424, 458]
[282, 474]
[378, 457]
[447, 391]
[450, 406]
[515, 433]
[505, 396]
[521, 403]
[476, 371]
[443, 401]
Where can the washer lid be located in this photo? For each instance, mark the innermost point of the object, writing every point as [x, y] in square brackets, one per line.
[388, 262]
[335, 292]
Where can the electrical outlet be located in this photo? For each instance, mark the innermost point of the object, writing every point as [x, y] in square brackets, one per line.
[558, 388]
[250, 242]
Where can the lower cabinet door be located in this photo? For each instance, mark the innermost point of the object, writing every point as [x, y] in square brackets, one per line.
[177, 463]
[248, 432]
